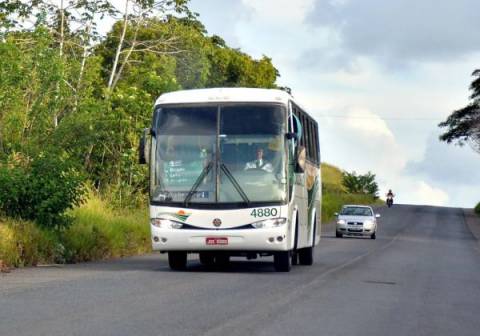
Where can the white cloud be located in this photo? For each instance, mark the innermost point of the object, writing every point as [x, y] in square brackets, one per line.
[283, 11]
[362, 142]
[368, 123]
[334, 60]
[399, 31]
[427, 194]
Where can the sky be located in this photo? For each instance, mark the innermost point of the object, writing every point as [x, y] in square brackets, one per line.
[378, 76]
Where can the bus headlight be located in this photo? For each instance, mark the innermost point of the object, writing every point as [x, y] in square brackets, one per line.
[165, 223]
[269, 223]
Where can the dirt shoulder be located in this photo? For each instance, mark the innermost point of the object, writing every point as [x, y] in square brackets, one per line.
[473, 222]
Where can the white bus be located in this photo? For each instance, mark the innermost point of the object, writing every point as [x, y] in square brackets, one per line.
[233, 172]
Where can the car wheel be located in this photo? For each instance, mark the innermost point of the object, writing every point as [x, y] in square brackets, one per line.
[374, 235]
[177, 260]
[338, 235]
[282, 261]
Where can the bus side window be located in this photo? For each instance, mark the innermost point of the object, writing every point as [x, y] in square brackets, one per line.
[297, 127]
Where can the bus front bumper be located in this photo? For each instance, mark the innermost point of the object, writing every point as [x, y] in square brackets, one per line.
[261, 240]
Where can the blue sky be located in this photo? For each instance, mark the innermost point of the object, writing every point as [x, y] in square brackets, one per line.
[378, 76]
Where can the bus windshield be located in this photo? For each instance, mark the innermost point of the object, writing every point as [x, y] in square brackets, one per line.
[232, 153]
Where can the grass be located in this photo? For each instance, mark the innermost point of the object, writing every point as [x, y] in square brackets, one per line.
[22, 243]
[334, 195]
[97, 232]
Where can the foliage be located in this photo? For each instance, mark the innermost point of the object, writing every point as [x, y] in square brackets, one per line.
[477, 209]
[464, 124]
[334, 194]
[333, 201]
[22, 243]
[332, 178]
[54, 82]
[98, 233]
[40, 189]
[72, 106]
[360, 184]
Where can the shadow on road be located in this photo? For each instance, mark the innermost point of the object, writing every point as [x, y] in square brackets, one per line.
[159, 263]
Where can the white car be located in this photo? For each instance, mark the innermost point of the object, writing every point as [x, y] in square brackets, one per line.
[356, 220]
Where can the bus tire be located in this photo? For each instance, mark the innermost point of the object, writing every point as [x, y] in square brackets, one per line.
[305, 255]
[177, 260]
[282, 261]
[295, 244]
[222, 260]
[207, 258]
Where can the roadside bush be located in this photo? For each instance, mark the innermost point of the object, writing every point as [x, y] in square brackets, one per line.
[22, 243]
[98, 232]
[360, 184]
[41, 190]
[477, 209]
[333, 201]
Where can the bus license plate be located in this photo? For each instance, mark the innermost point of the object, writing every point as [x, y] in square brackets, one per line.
[216, 240]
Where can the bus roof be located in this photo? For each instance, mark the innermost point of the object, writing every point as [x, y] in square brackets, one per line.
[225, 95]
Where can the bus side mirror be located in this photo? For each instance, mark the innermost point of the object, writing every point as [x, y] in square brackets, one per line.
[144, 147]
[301, 156]
[291, 136]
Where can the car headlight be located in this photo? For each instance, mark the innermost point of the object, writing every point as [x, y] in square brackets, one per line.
[368, 223]
[165, 223]
[269, 223]
[341, 221]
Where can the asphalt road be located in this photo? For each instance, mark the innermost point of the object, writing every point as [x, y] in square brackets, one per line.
[420, 277]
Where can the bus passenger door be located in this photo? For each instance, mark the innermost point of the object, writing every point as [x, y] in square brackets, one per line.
[301, 198]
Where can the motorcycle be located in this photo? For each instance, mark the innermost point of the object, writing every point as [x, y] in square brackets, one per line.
[389, 201]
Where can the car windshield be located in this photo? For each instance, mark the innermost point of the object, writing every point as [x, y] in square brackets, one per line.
[233, 153]
[356, 211]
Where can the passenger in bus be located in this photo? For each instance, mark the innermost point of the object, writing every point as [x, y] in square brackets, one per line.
[259, 163]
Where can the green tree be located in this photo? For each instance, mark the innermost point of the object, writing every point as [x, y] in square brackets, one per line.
[360, 184]
[464, 124]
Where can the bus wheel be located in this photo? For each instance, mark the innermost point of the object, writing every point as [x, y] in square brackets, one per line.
[282, 261]
[207, 259]
[295, 257]
[177, 260]
[305, 255]
[222, 260]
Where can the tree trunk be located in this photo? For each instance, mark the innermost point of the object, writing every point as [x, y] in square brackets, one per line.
[82, 66]
[62, 39]
[119, 47]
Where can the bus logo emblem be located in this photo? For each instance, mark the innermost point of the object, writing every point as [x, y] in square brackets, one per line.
[217, 222]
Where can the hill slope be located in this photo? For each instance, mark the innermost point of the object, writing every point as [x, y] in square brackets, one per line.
[335, 195]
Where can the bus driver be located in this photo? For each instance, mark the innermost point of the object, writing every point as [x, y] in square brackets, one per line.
[259, 163]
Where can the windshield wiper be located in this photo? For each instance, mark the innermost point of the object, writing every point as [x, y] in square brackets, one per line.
[199, 180]
[234, 182]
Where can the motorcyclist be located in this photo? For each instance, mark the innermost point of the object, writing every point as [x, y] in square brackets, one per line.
[390, 196]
